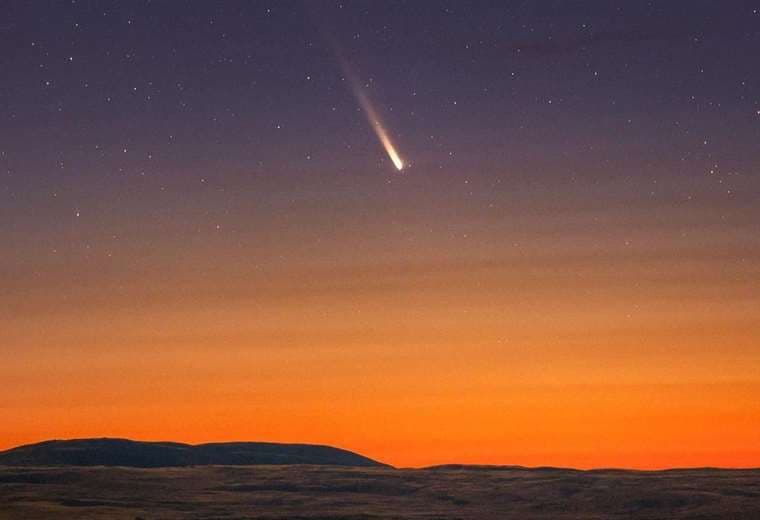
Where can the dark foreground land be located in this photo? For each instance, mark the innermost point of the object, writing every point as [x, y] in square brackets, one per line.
[365, 493]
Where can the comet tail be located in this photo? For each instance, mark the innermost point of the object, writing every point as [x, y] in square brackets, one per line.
[372, 116]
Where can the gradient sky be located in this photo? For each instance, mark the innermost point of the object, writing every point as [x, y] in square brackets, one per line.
[202, 239]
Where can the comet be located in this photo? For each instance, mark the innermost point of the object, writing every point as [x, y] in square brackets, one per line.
[373, 118]
[375, 122]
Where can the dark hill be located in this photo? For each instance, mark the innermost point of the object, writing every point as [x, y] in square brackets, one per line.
[124, 452]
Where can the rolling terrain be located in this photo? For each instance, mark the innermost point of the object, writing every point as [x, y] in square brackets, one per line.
[322, 492]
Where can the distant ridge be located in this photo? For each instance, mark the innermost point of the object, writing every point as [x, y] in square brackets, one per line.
[125, 452]
[502, 467]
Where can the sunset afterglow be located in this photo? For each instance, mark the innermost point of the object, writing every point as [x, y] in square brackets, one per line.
[203, 241]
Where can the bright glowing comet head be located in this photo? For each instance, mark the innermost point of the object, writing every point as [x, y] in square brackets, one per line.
[386, 142]
[397, 162]
[389, 148]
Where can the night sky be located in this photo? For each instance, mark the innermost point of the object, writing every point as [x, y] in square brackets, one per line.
[202, 237]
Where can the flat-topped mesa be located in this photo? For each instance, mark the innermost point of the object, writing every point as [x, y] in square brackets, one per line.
[125, 452]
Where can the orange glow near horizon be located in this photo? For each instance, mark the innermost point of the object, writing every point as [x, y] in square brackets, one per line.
[545, 355]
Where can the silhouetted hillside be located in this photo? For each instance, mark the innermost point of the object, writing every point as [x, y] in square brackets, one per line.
[124, 452]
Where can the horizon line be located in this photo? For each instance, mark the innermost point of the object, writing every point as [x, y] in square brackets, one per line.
[464, 465]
